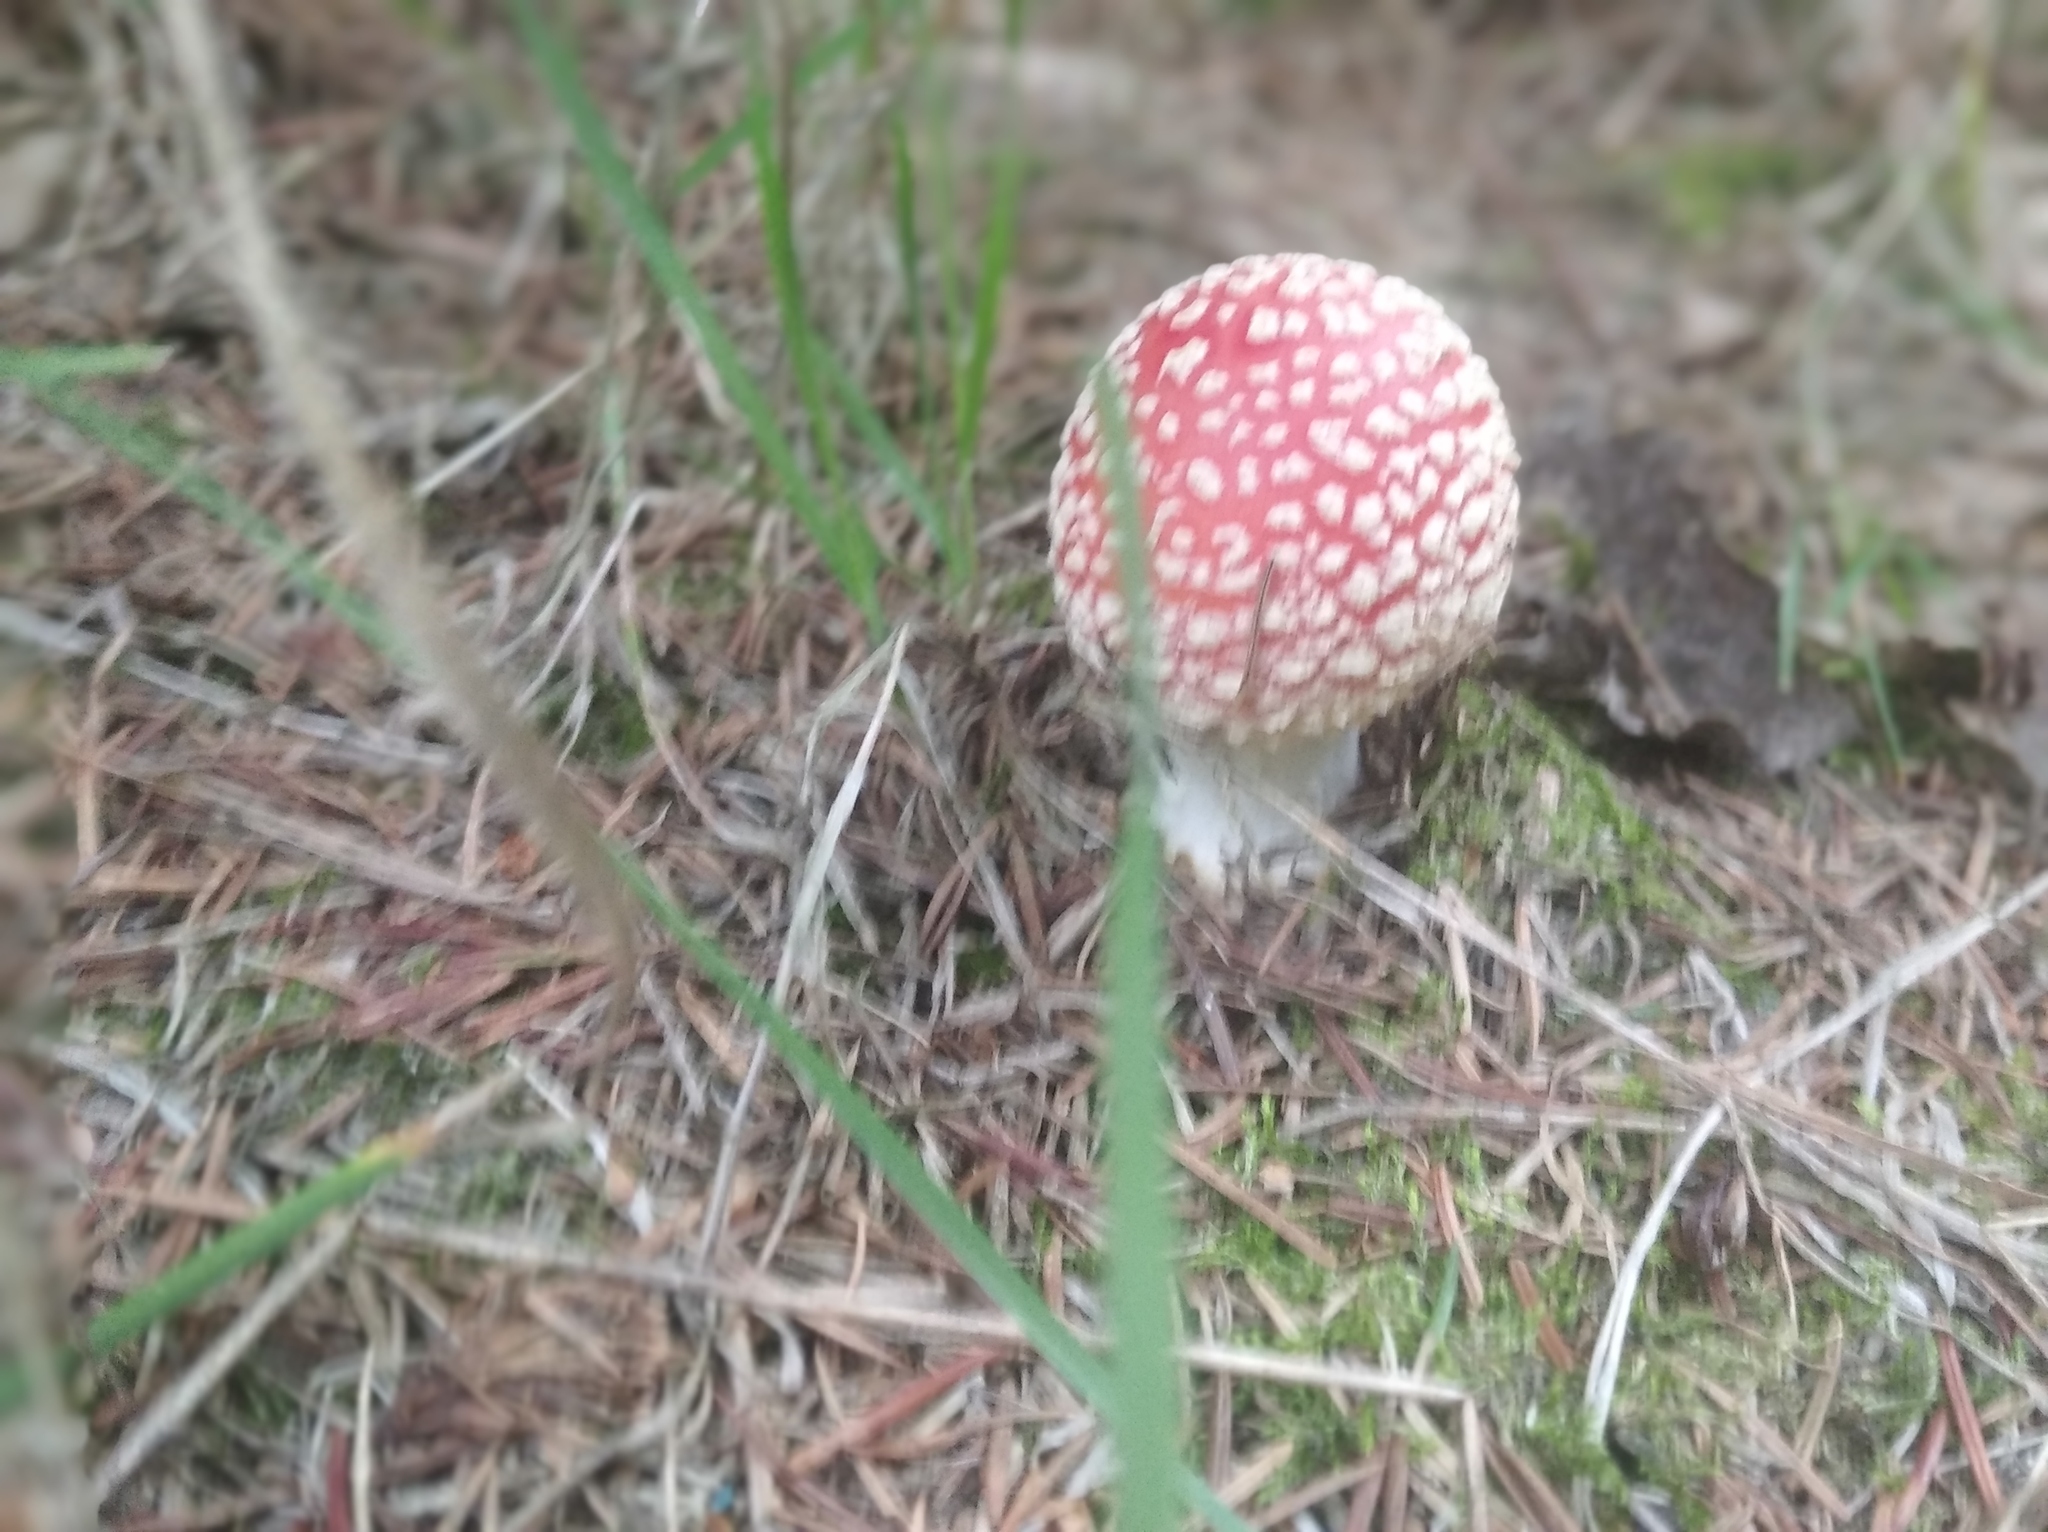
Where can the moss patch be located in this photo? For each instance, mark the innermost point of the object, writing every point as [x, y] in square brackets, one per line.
[1516, 805]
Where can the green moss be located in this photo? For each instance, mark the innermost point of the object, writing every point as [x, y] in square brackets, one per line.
[981, 963]
[614, 731]
[1516, 805]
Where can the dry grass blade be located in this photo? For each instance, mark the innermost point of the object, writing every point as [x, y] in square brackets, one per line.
[392, 551]
[1240, 1362]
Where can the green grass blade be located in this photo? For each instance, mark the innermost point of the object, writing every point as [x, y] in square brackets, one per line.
[903, 171]
[162, 458]
[1791, 592]
[998, 253]
[1143, 1297]
[875, 435]
[848, 547]
[891, 1154]
[834, 48]
[800, 337]
[47, 366]
[244, 1245]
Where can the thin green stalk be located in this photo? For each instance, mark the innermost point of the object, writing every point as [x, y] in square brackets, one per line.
[246, 1244]
[1791, 591]
[899, 1163]
[998, 252]
[1143, 1297]
[875, 435]
[770, 136]
[45, 366]
[163, 459]
[817, 60]
[848, 547]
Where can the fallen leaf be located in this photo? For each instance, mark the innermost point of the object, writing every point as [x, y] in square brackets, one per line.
[1622, 595]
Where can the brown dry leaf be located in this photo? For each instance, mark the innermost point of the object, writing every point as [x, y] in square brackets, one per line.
[1674, 637]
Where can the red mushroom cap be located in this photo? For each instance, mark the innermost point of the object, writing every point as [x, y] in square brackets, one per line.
[1327, 489]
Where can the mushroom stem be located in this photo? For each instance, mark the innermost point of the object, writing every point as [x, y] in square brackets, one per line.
[1215, 810]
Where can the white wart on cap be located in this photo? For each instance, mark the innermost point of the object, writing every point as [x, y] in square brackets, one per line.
[1327, 488]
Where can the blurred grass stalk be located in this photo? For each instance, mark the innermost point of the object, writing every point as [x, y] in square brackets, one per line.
[1139, 1392]
[900, 1164]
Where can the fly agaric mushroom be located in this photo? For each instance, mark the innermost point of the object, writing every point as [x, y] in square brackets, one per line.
[1327, 488]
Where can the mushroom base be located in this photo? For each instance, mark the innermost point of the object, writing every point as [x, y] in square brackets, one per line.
[1215, 811]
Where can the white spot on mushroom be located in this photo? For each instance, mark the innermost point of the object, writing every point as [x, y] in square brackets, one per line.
[1274, 435]
[1286, 516]
[1240, 432]
[1303, 393]
[1211, 421]
[1294, 325]
[1293, 468]
[1307, 358]
[1180, 363]
[1384, 421]
[1182, 540]
[1266, 400]
[1240, 580]
[1190, 314]
[1109, 608]
[1168, 428]
[1281, 616]
[1247, 476]
[1332, 560]
[1211, 383]
[1146, 407]
[1344, 395]
[1264, 326]
[1294, 670]
[1262, 373]
[1346, 364]
[1396, 626]
[1358, 455]
[1368, 513]
[1400, 564]
[1205, 630]
[1362, 586]
[1356, 662]
[1283, 557]
[1330, 502]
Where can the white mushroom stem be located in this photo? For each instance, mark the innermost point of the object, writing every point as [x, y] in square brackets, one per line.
[1216, 809]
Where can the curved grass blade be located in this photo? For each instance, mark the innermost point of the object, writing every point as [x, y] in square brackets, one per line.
[163, 458]
[848, 547]
[261, 1237]
[899, 1163]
